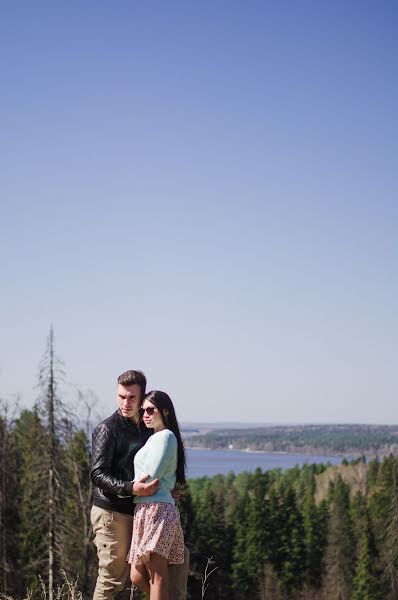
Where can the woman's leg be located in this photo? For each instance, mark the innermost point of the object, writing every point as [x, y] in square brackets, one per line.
[158, 577]
[139, 576]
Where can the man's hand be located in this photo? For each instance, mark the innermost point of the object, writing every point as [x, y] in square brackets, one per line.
[176, 493]
[145, 489]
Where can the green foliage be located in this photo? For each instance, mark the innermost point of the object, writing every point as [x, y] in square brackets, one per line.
[373, 472]
[287, 545]
[29, 436]
[252, 535]
[315, 535]
[288, 558]
[367, 583]
[340, 553]
[9, 516]
[213, 537]
[76, 529]
[241, 568]
[270, 535]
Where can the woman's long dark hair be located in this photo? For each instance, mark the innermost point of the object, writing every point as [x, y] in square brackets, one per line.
[163, 403]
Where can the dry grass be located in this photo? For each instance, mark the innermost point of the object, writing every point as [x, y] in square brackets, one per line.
[209, 569]
[67, 590]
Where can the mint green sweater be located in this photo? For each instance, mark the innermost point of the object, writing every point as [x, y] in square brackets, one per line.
[158, 458]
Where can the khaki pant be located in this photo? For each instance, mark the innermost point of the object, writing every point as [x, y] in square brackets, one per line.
[112, 536]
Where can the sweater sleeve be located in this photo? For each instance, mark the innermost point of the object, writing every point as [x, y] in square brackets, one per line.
[162, 450]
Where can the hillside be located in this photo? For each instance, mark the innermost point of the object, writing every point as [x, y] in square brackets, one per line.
[346, 439]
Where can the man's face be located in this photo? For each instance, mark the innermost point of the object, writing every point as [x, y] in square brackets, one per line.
[129, 400]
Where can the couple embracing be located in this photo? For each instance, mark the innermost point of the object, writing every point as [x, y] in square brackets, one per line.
[138, 457]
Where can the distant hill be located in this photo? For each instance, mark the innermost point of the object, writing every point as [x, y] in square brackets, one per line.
[346, 439]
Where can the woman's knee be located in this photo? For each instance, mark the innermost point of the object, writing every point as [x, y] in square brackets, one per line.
[158, 568]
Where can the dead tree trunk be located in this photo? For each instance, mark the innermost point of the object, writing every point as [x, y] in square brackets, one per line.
[51, 449]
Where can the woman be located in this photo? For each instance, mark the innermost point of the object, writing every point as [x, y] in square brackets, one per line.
[157, 539]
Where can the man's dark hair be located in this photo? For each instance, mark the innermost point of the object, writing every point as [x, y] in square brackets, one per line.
[132, 378]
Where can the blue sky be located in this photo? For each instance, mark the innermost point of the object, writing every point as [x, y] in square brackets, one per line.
[208, 192]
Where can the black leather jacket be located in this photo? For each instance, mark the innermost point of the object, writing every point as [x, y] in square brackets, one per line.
[115, 442]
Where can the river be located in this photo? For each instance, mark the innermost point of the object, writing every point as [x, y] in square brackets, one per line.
[202, 462]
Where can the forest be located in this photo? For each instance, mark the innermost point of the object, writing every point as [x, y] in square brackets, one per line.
[316, 532]
[349, 439]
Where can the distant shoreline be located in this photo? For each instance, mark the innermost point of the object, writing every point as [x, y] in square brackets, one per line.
[317, 452]
[350, 441]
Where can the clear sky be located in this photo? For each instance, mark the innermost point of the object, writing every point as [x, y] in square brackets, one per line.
[206, 191]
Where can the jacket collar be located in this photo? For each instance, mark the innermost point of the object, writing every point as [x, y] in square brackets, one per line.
[125, 422]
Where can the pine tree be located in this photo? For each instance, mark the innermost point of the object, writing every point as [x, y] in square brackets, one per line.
[187, 514]
[390, 542]
[367, 583]
[214, 539]
[315, 536]
[358, 515]
[258, 522]
[383, 511]
[291, 552]
[340, 553]
[30, 438]
[76, 530]
[9, 519]
[243, 579]
[250, 553]
[372, 473]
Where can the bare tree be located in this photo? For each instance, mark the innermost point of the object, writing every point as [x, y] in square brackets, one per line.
[52, 409]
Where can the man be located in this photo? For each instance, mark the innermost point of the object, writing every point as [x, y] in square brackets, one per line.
[115, 442]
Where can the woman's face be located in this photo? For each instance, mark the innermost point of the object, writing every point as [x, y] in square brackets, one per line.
[151, 416]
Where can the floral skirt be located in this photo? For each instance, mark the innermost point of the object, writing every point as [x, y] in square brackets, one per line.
[156, 528]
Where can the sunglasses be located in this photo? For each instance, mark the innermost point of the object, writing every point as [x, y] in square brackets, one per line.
[149, 410]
